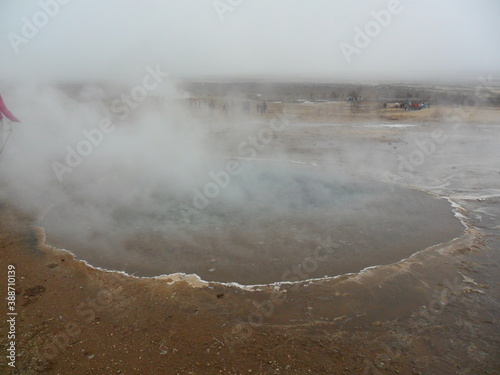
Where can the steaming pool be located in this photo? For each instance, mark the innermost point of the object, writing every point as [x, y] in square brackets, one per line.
[273, 222]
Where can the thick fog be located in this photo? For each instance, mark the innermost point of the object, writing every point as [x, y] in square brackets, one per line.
[291, 39]
[107, 137]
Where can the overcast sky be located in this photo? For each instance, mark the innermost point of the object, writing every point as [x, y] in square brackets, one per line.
[295, 39]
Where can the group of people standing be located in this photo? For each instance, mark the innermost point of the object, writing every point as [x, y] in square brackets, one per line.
[407, 105]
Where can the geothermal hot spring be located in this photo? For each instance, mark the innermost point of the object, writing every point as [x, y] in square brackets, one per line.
[275, 221]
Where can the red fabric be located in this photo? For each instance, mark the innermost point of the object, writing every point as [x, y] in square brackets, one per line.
[6, 112]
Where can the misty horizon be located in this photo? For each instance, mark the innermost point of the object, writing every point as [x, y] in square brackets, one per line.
[333, 41]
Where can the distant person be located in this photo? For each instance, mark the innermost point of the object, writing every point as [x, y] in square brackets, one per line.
[211, 105]
[246, 107]
[264, 107]
[6, 112]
